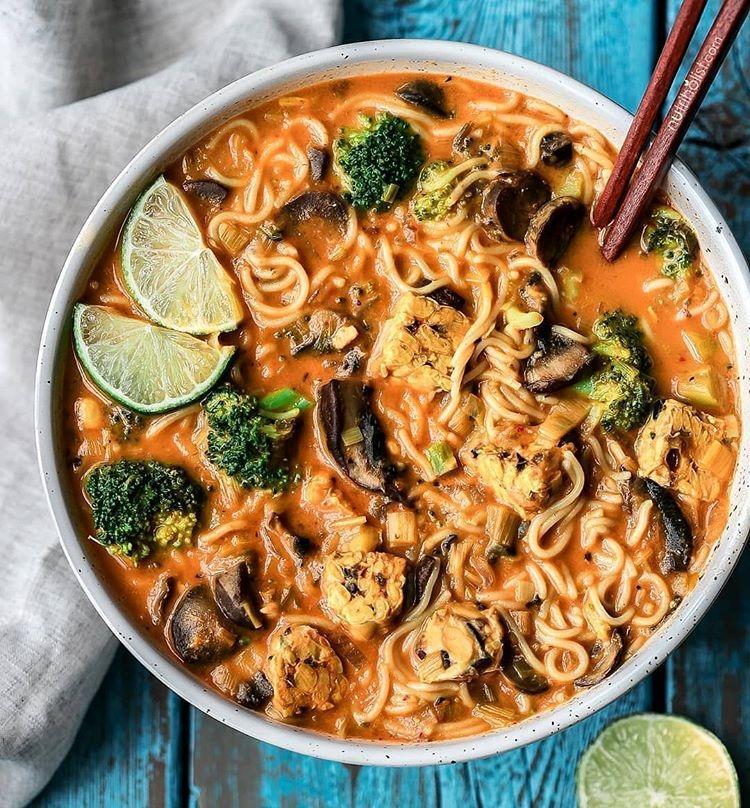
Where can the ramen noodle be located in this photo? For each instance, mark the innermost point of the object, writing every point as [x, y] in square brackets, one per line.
[457, 467]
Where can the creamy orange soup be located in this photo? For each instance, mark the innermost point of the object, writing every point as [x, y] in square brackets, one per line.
[467, 534]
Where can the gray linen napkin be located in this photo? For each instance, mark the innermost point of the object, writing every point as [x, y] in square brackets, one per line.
[139, 65]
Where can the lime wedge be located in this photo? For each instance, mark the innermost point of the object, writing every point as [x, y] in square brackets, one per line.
[645, 761]
[143, 366]
[171, 274]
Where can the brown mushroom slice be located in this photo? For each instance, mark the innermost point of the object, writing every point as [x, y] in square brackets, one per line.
[555, 364]
[318, 160]
[256, 692]
[678, 537]
[158, 596]
[324, 205]
[556, 149]
[535, 294]
[208, 190]
[323, 331]
[420, 586]
[606, 655]
[445, 296]
[233, 592]
[552, 228]
[510, 201]
[353, 435]
[298, 547]
[196, 630]
[425, 94]
[515, 666]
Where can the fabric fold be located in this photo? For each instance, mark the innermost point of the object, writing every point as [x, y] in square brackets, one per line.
[149, 62]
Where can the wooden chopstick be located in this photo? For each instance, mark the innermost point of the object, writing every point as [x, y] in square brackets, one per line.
[653, 100]
[661, 152]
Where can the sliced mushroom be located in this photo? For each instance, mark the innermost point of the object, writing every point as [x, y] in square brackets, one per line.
[207, 190]
[556, 149]
[463, 142]
[255, 692]
[425, 94]
[196, 630]
[344, 405]
[552, 228]
[678, 537]
[510, 201]
[158, 595]
[445, 296]
[556, 363]
[324, 205]
[420, 584]
[352, 362]
[298, 547]
[318, 159]
[233, 592]
[535, 294]
[347, 650]
[515, 667]
[323, 331]
[606, 655]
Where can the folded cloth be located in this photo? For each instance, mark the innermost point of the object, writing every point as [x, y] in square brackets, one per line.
[139, 65]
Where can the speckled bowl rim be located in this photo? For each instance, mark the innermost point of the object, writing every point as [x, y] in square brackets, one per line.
[421, 55]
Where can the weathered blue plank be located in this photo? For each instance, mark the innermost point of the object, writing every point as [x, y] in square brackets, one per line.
[706, 679]
[607, 45]
[128, 751]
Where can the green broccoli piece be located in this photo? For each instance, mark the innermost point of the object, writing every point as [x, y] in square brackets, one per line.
[626, 392]
[141, 505]
[378, 163]
[247, 442]
[621, 382]
[669, 236]
[620, 338]
[434, 189]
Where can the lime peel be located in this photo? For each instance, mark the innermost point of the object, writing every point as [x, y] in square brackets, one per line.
[651, 760]
[145, 367]
[169, 271]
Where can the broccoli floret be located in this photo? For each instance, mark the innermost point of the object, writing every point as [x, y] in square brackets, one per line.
[378, 162]
[139, 505]
[669, 236]
[620, 338]
[621, 382]
[625, 392]
[246, 442]
[434, 189]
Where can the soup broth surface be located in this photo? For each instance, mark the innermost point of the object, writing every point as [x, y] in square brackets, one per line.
[510, 549]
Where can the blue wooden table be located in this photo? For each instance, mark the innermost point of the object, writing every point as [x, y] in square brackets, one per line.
[140, 745]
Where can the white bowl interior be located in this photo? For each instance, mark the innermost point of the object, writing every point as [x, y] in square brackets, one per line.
[506, 70]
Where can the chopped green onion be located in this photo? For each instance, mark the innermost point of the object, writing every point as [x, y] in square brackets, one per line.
[287, 415]
[440, 456]
[351, 436]
[389, 192]
[284, 399]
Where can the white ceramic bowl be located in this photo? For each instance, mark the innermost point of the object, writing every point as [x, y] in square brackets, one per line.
[424, 56]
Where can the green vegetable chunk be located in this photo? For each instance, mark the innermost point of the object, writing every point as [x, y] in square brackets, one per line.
[669, 236]
[434, 189]
[441, 458]
[377, 163]
[139, 506]
[246, 441]
[621, 383]
[620, 338]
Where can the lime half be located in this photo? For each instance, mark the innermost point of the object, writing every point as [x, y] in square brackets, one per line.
[143, 366]
[645, 761]
[172, 275]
